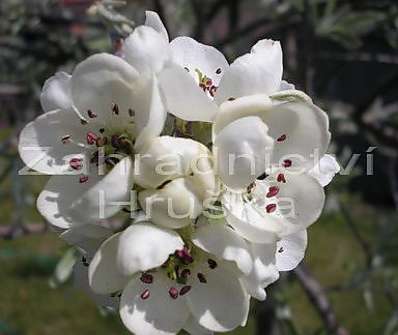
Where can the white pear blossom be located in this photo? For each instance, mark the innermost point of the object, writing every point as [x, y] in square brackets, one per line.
[167, 285]
[103, 110]
[212, 227]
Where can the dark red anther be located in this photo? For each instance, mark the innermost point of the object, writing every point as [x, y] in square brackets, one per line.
[219, 70]
[91, 114]
[173, 292]
[185, 273]
[202, 278]
[146, 278]
[101, 141]
[185, 290]
[131, 112]
[287, 163]
[83, 179]
[91, 138]
[145, 295]
[270, 208]
[281, 250]
[184, 255]
[272, 191]
[65, 139]
[115, 109]
[76, 163]
[281, 178]
[188, 259]
[115, 141]
[281, 138]
[231, 99]
[212, 263]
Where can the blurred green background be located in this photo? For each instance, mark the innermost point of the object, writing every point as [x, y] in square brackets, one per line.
[342, 53]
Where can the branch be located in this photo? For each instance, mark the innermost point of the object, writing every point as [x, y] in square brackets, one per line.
[317, 296]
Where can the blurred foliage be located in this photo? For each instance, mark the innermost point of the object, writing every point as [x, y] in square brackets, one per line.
[343, 53]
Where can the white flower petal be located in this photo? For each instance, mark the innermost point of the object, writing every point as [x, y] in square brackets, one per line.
[194, 56]
[194, 328]
[297, 204]
[222, 303]
[154, 21]
[224, 243]
[146, 50]
[301, 130]
[144, 246]
[100, 82]
[150, 113]
[230, 111]
[65, 201]
[291, 251]
[80, 281]
[159, 314]
[165, 159]
[56, 93]
[185, 99]
[42, 144]
[254, 73]
[243, 149]
[174, 206]
[264, 270]
[103, 274]
[325, 170]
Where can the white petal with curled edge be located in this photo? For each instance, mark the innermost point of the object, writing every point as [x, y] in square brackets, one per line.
[150, 113]
[103, 274]
[301, 131]
[194, 328]
[259, 72]
[100, 82]
[248, 220]
[222, 303]
[154, 21]
[159, 314]
[56, 93]
[146, 50]
[196, 56]
[184, 98]
[145, 246]
[80, 281]
[230, 111]
[325, 170]
[42, 144]
[224, 243]
[66, 202]
[291, 250]
[174, 206]
[243, 151]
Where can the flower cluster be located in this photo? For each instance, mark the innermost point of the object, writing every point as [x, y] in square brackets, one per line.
[213, 216]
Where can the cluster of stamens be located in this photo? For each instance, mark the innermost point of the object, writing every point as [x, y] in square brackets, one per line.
[112, 145]
[177, 268]
[206, 83]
